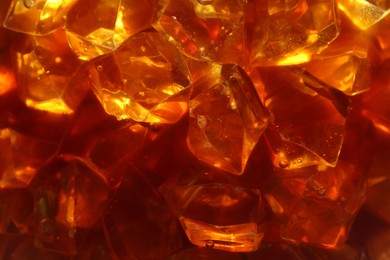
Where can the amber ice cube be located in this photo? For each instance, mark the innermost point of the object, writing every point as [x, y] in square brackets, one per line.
[161, 157]
[16, 209]
[95, 246]
[227, 118]
[380, 33]
[290, 32]
[221, 216]
[37, 17]
[48, 73]
[146, 79]
[118, 145]
[139, 224]
[378, 199]
[285, 190]
[97, 27]
[375, 103]
[346, 61]
[4, 6]
[347, 72]
[365, 13]
[100, 139]
[114, 150]
[328, 206]
[69, 198]
[211, 30]
[20, 157]
[307, 122]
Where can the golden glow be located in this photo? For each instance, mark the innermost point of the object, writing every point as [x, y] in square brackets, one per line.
[50, 9]
[5, 133]
[120, 33]
[103, 37]
[56, 106]
[25, 173]
[235, 238]
[363, 13]
[119, 21]
[299, 58]
[376, 180]
[382, 126]
[275, 206]
[312, 39]
[70, 212]
[205, 11]
[172, 89]
[7, 80]
[122, 102]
